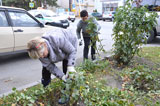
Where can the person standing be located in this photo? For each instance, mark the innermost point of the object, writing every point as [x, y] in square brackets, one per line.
[54, 46]
[82, 26]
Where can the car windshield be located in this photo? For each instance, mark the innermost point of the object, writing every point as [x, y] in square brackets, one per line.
[96, 14]
[48, 13]
[45, 13]
[106, 12]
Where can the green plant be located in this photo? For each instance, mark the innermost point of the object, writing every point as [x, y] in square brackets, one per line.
[143, 83]
[78, 83]
[33, 96]
[93, 32]
[91, 67]
[84, 88]
[141, 79]
[131, 26]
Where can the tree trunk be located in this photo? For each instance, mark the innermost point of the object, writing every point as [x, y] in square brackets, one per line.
[45, 4]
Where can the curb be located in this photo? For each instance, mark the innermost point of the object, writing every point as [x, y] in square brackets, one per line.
[21, 88]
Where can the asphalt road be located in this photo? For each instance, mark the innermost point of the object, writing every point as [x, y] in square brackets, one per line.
[20, 71]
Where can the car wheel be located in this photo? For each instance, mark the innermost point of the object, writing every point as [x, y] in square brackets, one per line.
[150, 37]
[103, 19]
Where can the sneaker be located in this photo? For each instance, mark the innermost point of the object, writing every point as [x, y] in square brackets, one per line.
[63, 100]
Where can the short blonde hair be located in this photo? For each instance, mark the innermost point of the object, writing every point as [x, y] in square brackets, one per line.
[34, 47]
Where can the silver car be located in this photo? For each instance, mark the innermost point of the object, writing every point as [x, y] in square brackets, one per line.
[17, 27]
[155, 32]
[108, 15]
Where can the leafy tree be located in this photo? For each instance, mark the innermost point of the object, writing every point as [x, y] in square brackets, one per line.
[25, 3]
[46, 2]
[131, 26]
[51, 2]
[16, 3]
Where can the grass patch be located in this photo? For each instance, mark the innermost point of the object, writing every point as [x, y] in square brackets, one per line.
[151, 53]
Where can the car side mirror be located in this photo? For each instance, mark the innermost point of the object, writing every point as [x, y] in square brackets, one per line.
[39, 16]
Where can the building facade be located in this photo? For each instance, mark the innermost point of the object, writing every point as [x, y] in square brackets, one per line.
[63, 3]
[83, 5]
[111, 5]
[99, 5]
[150, 2]
[76, 5]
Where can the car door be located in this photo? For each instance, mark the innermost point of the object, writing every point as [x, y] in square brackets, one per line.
[25, 28]
[158, 23]
[6, 34]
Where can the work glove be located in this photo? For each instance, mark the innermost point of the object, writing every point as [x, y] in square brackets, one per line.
[64, 78]
[80, 42]
[70, 69]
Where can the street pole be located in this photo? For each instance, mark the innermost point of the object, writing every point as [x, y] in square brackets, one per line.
[70, 3]
[79, 6]
[79, 2]
[0, 2]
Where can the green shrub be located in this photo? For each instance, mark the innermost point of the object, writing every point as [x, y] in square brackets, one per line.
[131, 24]
[90, 66]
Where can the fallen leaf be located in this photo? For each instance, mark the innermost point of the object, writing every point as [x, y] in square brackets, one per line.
[7, 80]
[13, 105]
[41, 104]
[87, 82]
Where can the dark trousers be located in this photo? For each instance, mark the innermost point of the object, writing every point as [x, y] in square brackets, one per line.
[46, 75]
[87, 41]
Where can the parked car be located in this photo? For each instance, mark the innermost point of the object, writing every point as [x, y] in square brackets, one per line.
[108, 15]
[155, 32]
[97, 15]
[71, 16]
[49, 17]
[17, 27]
[68, 15]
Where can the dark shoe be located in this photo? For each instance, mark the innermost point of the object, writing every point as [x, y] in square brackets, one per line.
[93, 57]
[63, 100]
[45, 82]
